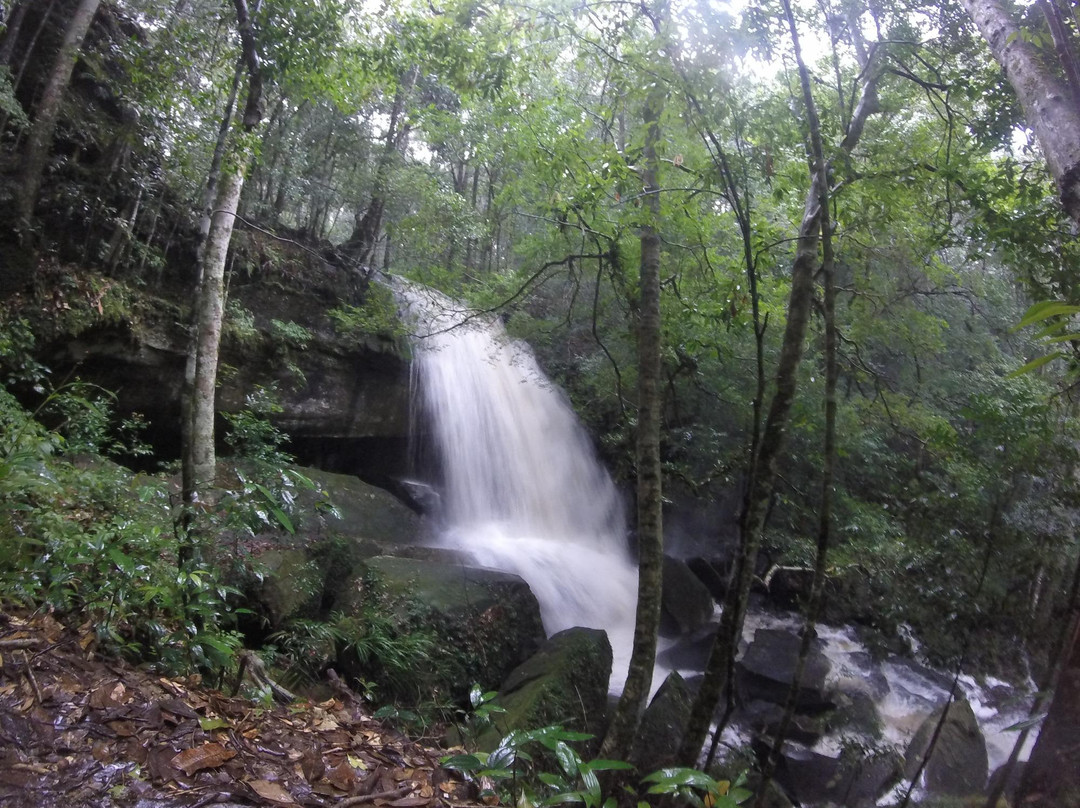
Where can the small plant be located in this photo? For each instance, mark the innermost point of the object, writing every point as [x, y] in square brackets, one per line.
[251, 435]
[576, 780]
[293, 335]
[377, 315]
[240, 324]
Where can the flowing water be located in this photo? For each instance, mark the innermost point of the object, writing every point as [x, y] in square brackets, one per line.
[522, 488]
[523, 492]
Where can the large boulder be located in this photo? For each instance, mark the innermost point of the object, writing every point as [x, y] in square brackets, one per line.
[855, 780]
[564, 683]
[767, 669]
[363, 511]
[290, 584]
[789, 587]
[661, 729]
[958, 763]
[483, 623]
[687, 602]
[711, 575]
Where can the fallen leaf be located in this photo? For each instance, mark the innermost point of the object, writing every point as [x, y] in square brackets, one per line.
[125, 729]
[410, 802]
[272, 792]
[342, 777]
[207, 756]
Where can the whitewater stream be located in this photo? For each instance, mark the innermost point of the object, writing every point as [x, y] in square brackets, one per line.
[522, 488]
[523, 491]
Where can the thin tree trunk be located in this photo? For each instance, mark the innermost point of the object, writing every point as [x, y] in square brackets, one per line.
[1044, 782]
[650, 534]
[11, 32]
[199, 455]
[213, 176]
[361, 244]
[39, 142]
[763, 470]
[210, 316]
[817, 587]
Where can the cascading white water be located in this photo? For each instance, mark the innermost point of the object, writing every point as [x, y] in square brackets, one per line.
[523, 489]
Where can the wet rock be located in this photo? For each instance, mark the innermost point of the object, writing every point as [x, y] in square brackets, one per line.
[687, 603]
[789, 587]
[363, 511]
[291, 584]
[958, 763]
[484, 622]
[764, 718]
[767, 668]
[855, 777]
[662, 725]
[690, 653]
[565, 683]
[708, 573]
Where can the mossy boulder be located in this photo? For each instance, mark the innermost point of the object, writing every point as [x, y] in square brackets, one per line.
[661, 729]
[363, 511]
[958, 763]
[290, 584]
[482, 622]
[564, 683]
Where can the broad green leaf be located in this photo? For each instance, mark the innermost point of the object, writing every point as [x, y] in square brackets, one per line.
[1044, 310]
[462, 763]
[1034, 364]
[567, 758]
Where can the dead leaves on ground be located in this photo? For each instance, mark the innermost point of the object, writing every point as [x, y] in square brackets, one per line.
[77, 731]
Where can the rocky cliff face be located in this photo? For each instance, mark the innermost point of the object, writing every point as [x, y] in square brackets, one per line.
[343, 390]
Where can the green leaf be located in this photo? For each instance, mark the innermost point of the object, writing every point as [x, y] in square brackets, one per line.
[563, 798]
[1034, 364]
[124, 562]
[600, 765]
[1044, 310]
[567, 758]
[670, 779]
[1027, 723]
[208, 724]
[462, 763]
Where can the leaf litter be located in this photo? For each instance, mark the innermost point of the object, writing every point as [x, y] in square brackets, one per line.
[81, 731]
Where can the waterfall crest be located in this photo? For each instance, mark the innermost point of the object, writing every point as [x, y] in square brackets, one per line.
[523, 490]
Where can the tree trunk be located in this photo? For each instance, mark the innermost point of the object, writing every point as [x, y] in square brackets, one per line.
[367, 223]
[620, 735]
[11, 32]
[719, 667]
[198, 420]
[39, 142]
[1050, 778]
[210, 316]
[1047, 101]
[828, 264]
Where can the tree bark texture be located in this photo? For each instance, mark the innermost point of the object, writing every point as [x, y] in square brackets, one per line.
[211, 309]
[199, 455]
[1047, 101]
[39, 140]
[620, 735]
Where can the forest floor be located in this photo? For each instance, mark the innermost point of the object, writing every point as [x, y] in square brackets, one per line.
[80, 730]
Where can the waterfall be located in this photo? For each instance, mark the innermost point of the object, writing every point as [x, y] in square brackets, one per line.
[523, 490]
